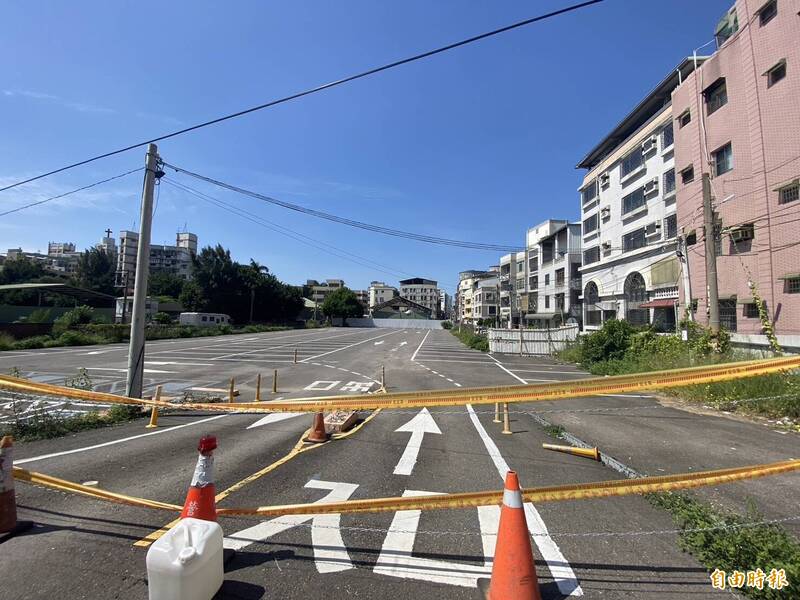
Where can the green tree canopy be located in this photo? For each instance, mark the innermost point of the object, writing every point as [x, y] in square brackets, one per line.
[342, 303]
[95, 271]
[162, 283]
[20, 270]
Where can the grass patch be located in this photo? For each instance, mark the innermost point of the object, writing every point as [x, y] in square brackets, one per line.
[554, 431]
[46, 425]
[743, 546]
[472, 340]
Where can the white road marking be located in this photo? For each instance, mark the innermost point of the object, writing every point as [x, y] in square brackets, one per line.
[418, 426]
[93, 352]
[414, 357]
[274, 418]
[397, 560]
[181, 364]
[322, 386]
[330, 554]
[379, 343]
[357, 387]
[626, 395]
[119, 370]
[403, 343]
[560, 569]
[518, 378]
[548, 371]
[119, 441]
[346, 347]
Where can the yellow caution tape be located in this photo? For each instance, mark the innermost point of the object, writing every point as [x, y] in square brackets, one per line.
[485, 395]
[581, 491]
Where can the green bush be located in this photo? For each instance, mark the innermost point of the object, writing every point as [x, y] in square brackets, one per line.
[472, 340]
[162, 318]
[80, 315]
[609, 343]
[447, 325]
[78, 338]
[6, 341]
[31, 343]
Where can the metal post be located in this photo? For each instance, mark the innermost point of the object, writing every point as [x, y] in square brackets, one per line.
[154, 411]
[258, 387]
[275, 381]
[133, 388]
[711, 258]
[506, 421]
[383, 377]
[497, 413]
[231, 389]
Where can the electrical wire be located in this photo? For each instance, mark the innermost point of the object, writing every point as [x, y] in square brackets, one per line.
[75, 191]
[314, 90]
[350, 222]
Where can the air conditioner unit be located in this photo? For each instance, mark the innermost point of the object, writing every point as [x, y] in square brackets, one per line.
[606, 245]
[650, 143]
[741, 235]
[605, 179]
[653, 229]
[605, 212]
[651, 186]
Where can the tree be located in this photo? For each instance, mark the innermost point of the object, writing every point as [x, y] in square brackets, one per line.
[191, 297]
[162, 283]
[95, 271]
[20, 270]
[342, 303]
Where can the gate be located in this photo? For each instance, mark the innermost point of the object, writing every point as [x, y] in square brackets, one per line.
[534, 341]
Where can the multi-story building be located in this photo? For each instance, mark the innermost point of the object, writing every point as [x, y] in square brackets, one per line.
[422, 291]
[513, 288]
[175, 259]
[486, 299]
[60, 248]
[317, 291]
[445, 305]
[629, 231]
[379, 293]
[737, 120]
[553, 296]
[463, 306]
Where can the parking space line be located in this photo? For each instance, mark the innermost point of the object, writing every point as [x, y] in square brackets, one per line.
[414, 357]
[349, 346]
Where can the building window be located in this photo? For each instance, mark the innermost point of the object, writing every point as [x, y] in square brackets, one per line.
[687, 175]
[669, 182]
[793, 285]
[634, 240]
[767, 12]
[667, 136]
[591, 299]
[776, 73]
[751, 310]
[547, 279]
[790, 193]
[631, 162]
[716, 96]
[635, 295]
[685, 118]
[633, 201]
[589, 193]
[723, 159]
[533, 282]
[727, 26]
[671, 226]
[590, 224]
[727, 314]
[592, 255]
[547, 301]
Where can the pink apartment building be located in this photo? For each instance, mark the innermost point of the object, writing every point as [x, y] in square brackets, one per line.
[737, 117]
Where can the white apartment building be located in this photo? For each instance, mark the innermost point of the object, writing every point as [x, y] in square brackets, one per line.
[317, 291]
[467, 280]
[379, 292]
[445, 305]
[422, 291]
[629, 232]
[554, 278]
[486, 298]
[513, 288]
[60, 248]
[172, 259]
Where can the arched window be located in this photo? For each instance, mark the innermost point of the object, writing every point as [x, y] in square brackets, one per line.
[591, 298]
[635, 295]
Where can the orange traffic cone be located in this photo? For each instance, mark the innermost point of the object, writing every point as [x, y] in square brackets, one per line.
[513, 571]
[318, 433]
[200, 501]
[8, 501]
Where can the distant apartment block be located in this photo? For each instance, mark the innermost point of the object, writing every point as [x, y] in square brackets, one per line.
[737, 119]
[445, 305]
[60, 248]
[379, 292]
[318, 291]
[486, 299]
[175, 259]
[422, 291]
[628, 209]
[463, 308]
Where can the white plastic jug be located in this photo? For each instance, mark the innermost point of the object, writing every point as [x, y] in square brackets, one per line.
[186, 562]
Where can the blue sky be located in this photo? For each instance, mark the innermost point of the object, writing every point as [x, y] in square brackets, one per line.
[478, 144]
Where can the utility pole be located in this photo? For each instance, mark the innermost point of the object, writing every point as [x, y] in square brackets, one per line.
[711, 258]
[133, 388]
[683, 256]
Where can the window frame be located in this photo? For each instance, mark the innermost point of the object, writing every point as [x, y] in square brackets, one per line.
[793, 285]
[684, 172]
[639, 190]
[668, 127]
[673, 218]
[684, 118]
[622, 163]
[782, 193]
[590, 259]
[716, 153]
[669, 192]
[640, 232]
[749, 313]
[771, 15]
[595, 218]
[711, 92]
[594, 186]
[780, 65]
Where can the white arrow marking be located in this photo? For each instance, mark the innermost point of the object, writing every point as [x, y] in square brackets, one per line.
[274, 418]
[421, 424]
[403, 343]
[330, 554]
[378, 343]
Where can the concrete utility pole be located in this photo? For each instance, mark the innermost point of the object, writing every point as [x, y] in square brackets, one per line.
[711, 257]
[683, 255]
[133, 388]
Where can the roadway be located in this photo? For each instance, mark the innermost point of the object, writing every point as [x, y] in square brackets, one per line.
[82, 548]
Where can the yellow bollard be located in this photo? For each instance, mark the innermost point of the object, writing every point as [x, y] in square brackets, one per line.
[592, 453]
[497, 413]
[230, 392]
[275, 381]
[154, 411]
[383, 378]
[258, 387]
[295, 356]
[506, 422]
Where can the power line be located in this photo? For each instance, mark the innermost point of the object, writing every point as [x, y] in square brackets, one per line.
[80, 189]
[313, 90]
[350, 222]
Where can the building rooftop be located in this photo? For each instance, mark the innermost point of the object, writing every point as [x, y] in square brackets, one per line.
[650, 105]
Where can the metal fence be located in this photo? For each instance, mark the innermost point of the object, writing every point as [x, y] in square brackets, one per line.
[533, 341]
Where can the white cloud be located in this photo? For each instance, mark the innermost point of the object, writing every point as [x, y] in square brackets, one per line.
[78, 106]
